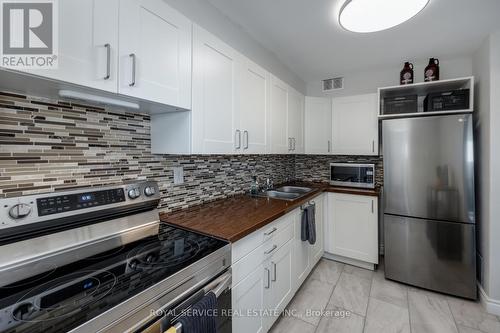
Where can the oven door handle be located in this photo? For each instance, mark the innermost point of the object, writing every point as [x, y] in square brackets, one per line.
[219, 285]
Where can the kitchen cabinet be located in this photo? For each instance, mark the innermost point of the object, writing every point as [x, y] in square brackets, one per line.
[253, 107]
[317, 250]
[270, 265]
[88, 44]
[280, 141]
[352, 227]
[301, 251]
[248, 295]
[318, 125]
[155, 53]
[355, 125]
[295, 121]
[278, 283]
[305, 255]
[214, 112]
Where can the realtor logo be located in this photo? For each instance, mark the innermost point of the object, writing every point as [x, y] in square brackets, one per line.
[29, 34]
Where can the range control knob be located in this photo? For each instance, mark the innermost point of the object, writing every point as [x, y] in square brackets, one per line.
[134, 264]
[149, 191]
[23, 311]
[151, 258]
[134, 193]
[19, 211]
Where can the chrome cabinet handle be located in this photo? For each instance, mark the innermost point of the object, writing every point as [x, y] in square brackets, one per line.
[329, 145]
[132, 55]
[108, 61]
[245, 135]
[270, 232]
[373, 146]
[289, 144]
[274, 272]
[268, 281]
[271, 250]
[237, 138]
[373, 207]
[294, 142]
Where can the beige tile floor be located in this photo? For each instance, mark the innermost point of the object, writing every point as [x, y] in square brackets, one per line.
[356, 300]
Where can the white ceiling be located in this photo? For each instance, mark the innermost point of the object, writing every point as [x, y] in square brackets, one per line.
[306, 36]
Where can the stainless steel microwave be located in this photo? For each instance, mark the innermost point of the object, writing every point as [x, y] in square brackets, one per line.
[352, 175]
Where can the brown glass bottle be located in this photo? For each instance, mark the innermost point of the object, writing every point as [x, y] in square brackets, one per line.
[406, 75]
[432, 70]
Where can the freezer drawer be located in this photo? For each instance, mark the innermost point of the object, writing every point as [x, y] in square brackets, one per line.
[431, 254]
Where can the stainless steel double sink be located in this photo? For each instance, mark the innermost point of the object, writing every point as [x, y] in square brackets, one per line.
[289, 193]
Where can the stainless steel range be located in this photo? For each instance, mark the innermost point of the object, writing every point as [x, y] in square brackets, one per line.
[99, 260]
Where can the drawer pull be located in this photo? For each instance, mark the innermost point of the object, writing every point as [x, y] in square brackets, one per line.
[271, 250]
[274, 272]
[270, 232]
[268, 280]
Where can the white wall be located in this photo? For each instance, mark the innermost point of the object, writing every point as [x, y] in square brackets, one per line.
[495, 166]
[481, 71]
[486, 68]
[207, 16]
[366, 82]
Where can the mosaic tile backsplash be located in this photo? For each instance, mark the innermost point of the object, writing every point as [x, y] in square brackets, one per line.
[52, 145]
[317, 167]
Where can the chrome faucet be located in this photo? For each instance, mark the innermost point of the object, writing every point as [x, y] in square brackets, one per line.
[269, 184]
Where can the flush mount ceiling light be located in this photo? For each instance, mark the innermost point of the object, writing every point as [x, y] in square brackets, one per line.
[375, 15]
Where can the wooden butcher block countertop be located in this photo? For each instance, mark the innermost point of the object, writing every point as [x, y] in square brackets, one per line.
[235, 217]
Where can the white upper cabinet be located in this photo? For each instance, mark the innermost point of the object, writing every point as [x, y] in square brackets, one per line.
[155, 53]
[253, 110]
[355, 125]
[214, 112]
[318, 125]
[280, 142]
[295, 120]
[88, 44]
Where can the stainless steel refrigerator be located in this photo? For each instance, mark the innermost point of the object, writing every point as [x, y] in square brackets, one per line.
[429, 204]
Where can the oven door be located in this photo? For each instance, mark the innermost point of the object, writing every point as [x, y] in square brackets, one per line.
[167, 317]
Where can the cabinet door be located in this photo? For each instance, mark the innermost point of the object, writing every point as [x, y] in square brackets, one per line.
[301, 259]
[155, 53]
[318, 248]
[280, 143]
[355, 125]
[318, 125]
[280, 266]
[248, 296]
[253, 97]
[353, 226]
[295, 120]
[214, 114]
[88, 44]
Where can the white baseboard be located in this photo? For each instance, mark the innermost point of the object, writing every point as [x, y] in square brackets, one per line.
[349, 261]
[491, 305]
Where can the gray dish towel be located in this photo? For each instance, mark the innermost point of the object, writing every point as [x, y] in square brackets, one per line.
[308, 224]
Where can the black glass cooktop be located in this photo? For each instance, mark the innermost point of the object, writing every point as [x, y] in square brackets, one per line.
[65, 297]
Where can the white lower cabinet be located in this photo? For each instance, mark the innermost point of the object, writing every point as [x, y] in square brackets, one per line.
[318, 248]
[352, 227]
[278, 283]
[268, 268]
[248, 296]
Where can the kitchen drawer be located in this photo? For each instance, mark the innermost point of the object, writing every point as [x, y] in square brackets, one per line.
[248, 263]
[246, 245]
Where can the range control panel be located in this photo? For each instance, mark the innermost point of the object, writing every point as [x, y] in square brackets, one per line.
[71, 202]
